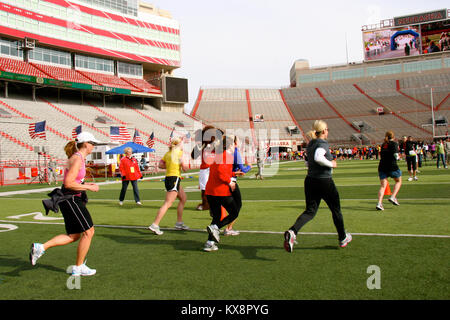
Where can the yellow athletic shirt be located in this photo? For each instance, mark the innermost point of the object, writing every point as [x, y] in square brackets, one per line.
[173, 162]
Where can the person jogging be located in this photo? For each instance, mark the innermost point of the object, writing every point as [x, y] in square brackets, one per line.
[388, 168]
[319, 185]
[219, 192]
[77, 219]
[173, 163]
[239, 169]
[204, 148]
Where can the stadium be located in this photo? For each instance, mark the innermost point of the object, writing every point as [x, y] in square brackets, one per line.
[109, 68]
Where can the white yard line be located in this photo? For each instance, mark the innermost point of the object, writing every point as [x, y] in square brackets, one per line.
[243, 231]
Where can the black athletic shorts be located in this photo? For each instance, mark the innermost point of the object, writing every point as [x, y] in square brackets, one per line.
[172, 183]
[76, 216]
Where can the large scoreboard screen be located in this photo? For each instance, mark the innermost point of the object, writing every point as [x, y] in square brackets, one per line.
[411, 35]
[175, 90]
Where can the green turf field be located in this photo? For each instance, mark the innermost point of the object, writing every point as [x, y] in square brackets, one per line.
[408, 244]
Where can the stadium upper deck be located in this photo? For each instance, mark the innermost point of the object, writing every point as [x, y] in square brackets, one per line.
[91, 29]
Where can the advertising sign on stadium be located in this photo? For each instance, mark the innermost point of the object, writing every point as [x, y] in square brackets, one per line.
[283, 143]
[59, 83]
[421, 18]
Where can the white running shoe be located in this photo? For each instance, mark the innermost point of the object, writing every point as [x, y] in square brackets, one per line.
[181, 226]
[410, 179]
[210, 246]
[230, 232]
[289, 240]
[346, 241]
[415, 178]
[156, 230]
[37, 250]
[394, 201]
[213, 231]
[139, 203]
[380, 207]
[120, 203]
[83, 270]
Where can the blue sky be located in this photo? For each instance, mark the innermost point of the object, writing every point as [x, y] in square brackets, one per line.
[253, 43]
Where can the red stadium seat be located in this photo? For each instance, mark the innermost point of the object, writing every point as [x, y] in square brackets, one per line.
[144, 85]
[109, 80]
[64, 74]
[20, 67]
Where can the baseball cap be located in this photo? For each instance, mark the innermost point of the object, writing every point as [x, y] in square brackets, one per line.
[87, 137]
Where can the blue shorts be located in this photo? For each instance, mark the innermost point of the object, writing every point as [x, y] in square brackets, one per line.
[391, 174]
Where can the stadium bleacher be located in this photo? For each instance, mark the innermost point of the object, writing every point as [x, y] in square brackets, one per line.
[20, 67]
[63, 74]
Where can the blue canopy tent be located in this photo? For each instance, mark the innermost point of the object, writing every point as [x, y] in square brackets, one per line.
[399, 33]
[137, 148]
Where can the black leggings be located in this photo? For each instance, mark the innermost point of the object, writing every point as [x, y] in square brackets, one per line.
[215, 206]
[315, 191]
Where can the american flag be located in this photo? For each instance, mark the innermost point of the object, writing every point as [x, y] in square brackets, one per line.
[37, 130]
[137, 138]
[150, 141]
[119, 134]
[76, 131]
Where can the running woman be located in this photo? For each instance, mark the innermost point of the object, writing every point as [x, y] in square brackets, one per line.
[239, 169]
[77, 219]
[173, 163]
[219, 192]
[205, 149]
[388, 168]
[319, 185]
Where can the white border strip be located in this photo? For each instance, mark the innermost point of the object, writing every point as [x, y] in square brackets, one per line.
[247, 231]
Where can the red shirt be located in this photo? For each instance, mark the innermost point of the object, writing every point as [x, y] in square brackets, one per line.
[129, 168]
[220, 173]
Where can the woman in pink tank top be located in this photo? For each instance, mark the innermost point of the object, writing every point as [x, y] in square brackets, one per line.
[77, 219]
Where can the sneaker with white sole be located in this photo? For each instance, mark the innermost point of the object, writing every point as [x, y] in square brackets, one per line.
[139, 203]
[213, 231]
[289, 240]
[410, 179]
[346, 241]
[394, 201]
[83, 270]
[210, 246]
[181, 226]
[120, 203]
[156, 230]
[230, 232]
[380, 207]
[36, 251]
[415, 178]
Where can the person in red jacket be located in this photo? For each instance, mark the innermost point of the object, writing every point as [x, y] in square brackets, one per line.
[219, 191]
[129, 170]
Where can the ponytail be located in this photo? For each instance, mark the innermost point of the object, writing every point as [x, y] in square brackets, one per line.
[311, 134]
[388, 136]
[72, 147]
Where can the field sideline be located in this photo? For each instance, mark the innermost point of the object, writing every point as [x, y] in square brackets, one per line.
[409, 244]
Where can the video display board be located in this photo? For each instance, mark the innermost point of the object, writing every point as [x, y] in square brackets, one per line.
[175, 90]
[411, 35]
[392, 43]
